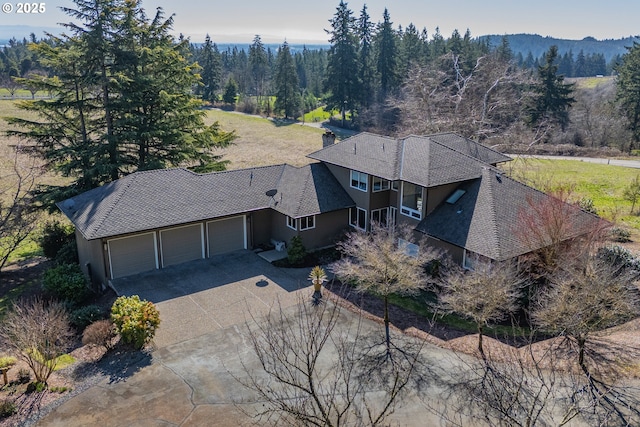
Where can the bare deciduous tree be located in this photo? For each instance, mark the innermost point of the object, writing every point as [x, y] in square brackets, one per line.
[381, 262]
[585, 299]
[18, 218]
[480, 102]
[533, 387]
[322, 368]
[39, 332]
[486, 294]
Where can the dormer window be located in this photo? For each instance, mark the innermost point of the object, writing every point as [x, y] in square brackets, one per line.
[359, 180]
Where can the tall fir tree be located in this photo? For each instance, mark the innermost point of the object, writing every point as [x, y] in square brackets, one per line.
[341, 79]
[628, 91]
[386, 56]
[259, 64]
[552, 97]
[211, 73]
[288, 98]
[367, 71]
[121, 100]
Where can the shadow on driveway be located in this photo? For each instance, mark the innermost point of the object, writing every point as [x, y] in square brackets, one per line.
[202, 296]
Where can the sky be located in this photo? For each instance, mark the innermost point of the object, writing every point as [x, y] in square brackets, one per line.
[304, 21]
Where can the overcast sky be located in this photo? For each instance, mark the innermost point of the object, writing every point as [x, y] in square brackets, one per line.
[304, 21]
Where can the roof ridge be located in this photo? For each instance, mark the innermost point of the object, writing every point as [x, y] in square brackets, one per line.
[486, 172]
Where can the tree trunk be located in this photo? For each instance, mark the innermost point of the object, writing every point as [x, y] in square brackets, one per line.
[386, 323]
[480, 348]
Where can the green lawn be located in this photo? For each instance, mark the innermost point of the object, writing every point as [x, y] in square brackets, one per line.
[604, 184]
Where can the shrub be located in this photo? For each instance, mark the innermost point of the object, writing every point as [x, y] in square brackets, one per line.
[24, 376]
[586, 204]
[296, 251]
[39, 331]
[620, 235]
[619, 256]
[68, 253]
[135, 320]
[37, 387]
[84, 316]
[7, 408]
[99, 333]
[66, 282]
[54, 236]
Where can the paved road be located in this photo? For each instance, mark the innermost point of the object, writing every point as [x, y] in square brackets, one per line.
[612, 162]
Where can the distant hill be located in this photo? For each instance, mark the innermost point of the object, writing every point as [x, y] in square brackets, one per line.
[538, 45]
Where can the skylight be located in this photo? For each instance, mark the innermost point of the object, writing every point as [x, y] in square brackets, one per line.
[455, 196]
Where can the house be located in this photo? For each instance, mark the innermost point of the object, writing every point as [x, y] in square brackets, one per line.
[444, 186]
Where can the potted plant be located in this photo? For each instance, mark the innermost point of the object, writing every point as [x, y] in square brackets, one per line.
[317, 277]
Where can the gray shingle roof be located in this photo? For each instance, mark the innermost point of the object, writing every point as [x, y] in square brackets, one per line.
[162, 198]
[487, 219]
[470, 148]
[425, 160]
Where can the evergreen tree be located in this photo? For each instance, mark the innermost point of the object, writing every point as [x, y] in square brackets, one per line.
[367, 70]
[581, 65]
[342, 83]
[209, 60]
[411, 49]
[286, 81]
[386, 56]
[230, 92]
[258, 62]
[552, 98]
[504, 51]
[628, 91]
[438, 44]
[122, 99]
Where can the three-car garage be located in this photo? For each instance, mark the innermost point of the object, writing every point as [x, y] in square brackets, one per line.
[151, 250]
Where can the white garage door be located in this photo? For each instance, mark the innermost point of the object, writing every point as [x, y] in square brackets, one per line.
[226, 235]
[181, 244]
[132, 255]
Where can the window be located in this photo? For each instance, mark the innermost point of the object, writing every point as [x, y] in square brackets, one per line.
[359, 180]
[394, 185]
[380, 184]
[307, 222]
[470, 260]
[291, 223]
[409, 248]
[411, 200]
[393, 215]
[379, 216]
[358, 218]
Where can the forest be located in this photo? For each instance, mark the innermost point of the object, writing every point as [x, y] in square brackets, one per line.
[376, 76]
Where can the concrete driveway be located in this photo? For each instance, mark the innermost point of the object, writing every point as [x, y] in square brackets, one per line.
[203, 296]
[202, 347]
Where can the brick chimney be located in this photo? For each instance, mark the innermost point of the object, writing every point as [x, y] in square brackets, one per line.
[328, 138]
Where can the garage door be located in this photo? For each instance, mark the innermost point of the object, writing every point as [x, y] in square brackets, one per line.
[132, 255]
[181, 244]
[226, 235]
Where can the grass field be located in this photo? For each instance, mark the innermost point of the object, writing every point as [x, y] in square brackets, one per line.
[604, 184]
[264, 142]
